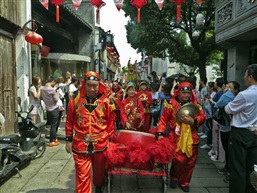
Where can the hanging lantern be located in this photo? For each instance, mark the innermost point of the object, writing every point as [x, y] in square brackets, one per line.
[98, 4]
[118, 4]
[44, 3]
[33, 38]
[57, 3]
[76, 3]
[111, 53]
[114, 57]
[199, 2]
[109, 48]
[159, 3]
[138, 4]
[178, 3]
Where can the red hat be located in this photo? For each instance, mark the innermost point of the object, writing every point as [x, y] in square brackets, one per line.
[186, 86]
[92, 76]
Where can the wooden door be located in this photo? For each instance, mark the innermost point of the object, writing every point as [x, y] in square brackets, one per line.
[8, 85]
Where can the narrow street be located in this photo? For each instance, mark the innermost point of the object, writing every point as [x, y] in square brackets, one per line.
[54, 173]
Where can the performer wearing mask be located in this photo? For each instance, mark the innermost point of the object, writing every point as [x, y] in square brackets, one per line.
[89, 125]
[183, 135]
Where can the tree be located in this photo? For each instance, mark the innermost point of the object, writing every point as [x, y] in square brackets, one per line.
[159, 35]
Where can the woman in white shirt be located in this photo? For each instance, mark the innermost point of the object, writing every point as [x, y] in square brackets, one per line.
[34, 93]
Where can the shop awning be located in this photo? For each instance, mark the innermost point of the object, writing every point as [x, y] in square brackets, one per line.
[68, 57]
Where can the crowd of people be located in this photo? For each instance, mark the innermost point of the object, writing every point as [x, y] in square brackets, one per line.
[97, 109]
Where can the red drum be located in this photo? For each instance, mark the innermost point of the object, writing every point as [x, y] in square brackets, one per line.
[126, 137]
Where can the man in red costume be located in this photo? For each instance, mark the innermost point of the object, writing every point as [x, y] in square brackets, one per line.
[116, 96]
[89, 125]
[146, 98]
[183, 133]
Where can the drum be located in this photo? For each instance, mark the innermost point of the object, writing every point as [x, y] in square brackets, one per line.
[126, 137]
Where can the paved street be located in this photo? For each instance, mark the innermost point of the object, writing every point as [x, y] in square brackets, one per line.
[54, 173]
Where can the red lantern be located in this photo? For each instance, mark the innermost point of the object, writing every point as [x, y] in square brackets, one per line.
[57, 3]
[109, 48]
[138, 4]
[98, 4]
[114, 57]
[76, 3]
[178, 3]
[159, 3]
[111, 53]
[33, 38]
[199, 2]
[118, 4]
[44, 3]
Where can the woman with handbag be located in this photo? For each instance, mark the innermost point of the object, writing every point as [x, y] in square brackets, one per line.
[223, 119]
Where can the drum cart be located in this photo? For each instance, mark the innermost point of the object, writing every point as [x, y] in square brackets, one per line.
[142, 141]
[158, 171]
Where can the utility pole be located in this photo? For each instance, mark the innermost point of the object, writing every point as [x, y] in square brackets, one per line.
[99, 51]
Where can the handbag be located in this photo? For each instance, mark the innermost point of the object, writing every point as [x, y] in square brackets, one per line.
[221, 116]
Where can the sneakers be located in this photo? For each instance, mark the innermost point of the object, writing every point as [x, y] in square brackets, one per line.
[223, 171]
[211, 153]
[214, 158]
[205, 146]
[200, 133]
[203, 136]
[54, 143]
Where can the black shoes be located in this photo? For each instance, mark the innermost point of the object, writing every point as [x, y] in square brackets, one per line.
[98, 190]
[185, 188]
[223, 171]
[226, 179]
[173, 184]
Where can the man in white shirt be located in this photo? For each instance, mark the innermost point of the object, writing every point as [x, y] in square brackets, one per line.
[243, 141]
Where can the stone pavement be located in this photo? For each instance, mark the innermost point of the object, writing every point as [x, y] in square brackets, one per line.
[54, 173]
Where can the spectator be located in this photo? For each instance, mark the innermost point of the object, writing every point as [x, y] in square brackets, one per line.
[243, 142]
[155, 107]
[232, 89]
[89, 126]
[50, 96]
[34, 93]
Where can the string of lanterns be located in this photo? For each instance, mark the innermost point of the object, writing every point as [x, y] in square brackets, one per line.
[118, 3]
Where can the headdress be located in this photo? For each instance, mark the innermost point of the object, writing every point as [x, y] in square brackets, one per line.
[130, 84]
[92, 76]
[186, 86]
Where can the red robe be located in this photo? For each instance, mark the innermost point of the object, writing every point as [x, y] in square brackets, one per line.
[182, 166]
[128, 110]
[147, 102]
[117, 100]
[91, 123]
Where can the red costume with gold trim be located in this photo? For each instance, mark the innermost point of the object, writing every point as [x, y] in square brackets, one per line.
[128, 110]
[117, 100]
[90, 124]
[147, 101]
[186, 143]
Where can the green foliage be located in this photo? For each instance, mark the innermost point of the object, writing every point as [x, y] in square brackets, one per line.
[159, 35]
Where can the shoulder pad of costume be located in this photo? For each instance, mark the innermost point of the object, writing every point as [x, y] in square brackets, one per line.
[167, 104]
[76, 96]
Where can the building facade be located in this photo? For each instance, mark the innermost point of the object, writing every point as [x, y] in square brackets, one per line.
[236, 29]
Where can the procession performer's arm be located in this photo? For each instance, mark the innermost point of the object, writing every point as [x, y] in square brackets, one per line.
[70, 121]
